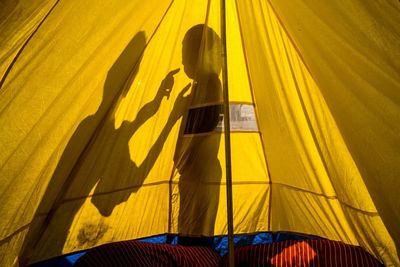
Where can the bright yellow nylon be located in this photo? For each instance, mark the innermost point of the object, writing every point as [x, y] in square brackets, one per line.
[358, 75]
[80, 43]
[359, 79]
[91, 129]
[18, 20]
[239, 87]
[313, 170]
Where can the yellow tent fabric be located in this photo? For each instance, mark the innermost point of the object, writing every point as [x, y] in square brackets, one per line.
[95, 96]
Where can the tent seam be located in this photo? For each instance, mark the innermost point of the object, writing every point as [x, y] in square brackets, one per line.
[334, 197]
[7, 72]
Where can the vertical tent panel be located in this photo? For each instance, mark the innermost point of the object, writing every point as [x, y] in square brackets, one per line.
[249, 168]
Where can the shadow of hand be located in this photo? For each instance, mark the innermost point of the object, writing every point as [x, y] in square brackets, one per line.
[180, 103]
[168, 83]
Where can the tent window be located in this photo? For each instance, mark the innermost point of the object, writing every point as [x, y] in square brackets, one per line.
[203, 119]
[211, 118]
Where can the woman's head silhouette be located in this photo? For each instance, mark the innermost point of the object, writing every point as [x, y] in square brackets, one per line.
[201, 52]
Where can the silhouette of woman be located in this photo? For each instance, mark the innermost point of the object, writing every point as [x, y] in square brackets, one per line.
[196, 157]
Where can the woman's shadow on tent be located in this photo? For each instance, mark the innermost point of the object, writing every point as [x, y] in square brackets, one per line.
[80, 156]
[113, 175]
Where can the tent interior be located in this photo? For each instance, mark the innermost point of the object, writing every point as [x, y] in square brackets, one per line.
[111, 123]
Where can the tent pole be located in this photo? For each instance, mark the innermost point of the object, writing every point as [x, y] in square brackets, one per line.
[227, 136]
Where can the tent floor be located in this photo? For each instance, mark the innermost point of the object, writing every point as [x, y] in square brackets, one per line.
[256, 250]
